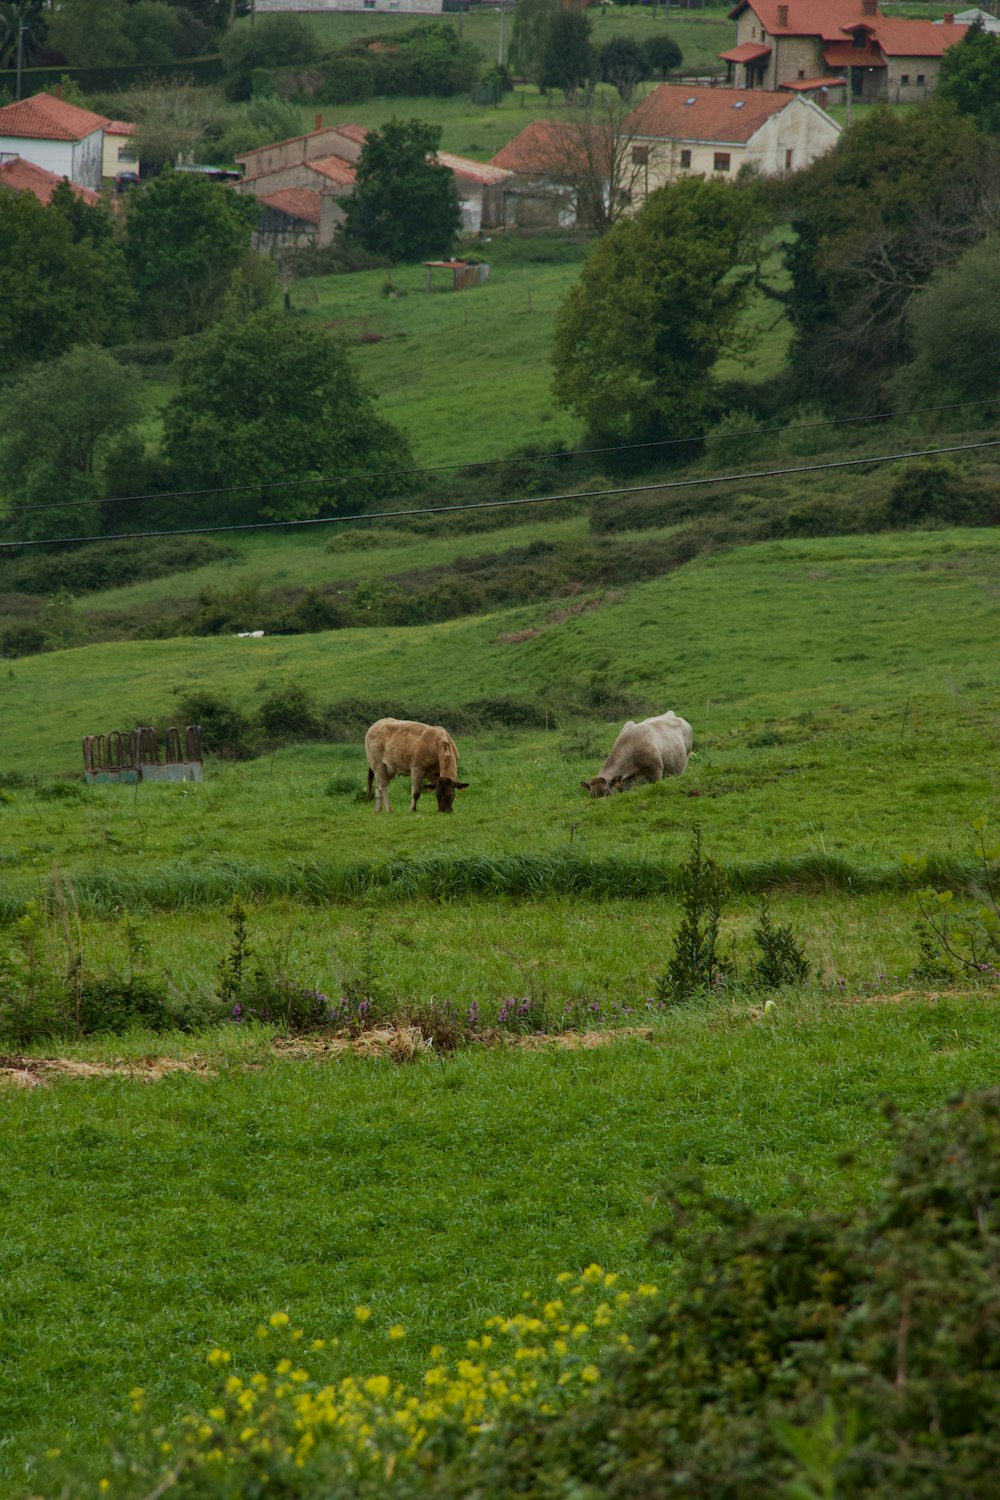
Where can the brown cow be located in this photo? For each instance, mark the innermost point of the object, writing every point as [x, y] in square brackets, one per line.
[424, 752]
[643, 752]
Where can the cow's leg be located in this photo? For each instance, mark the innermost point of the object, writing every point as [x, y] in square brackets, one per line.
[416, 777]
[382, 803]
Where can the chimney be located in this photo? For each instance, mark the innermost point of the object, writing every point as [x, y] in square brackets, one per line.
[949, 18]
[319, 123]
[782, 15]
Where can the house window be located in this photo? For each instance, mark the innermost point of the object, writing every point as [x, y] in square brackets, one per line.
[858, 39]
[788, 160]
[685, 157]
[640, 156]
[920, 77]
[721, 163]
[904, 78]
[802, 72]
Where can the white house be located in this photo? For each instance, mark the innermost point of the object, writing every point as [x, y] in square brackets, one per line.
[686, 129]
[61, 137]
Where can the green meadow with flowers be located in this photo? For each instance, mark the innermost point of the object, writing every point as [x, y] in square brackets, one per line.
[240, 1260]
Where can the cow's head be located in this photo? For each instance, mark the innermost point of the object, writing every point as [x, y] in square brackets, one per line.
[600, 786]
[444, 789]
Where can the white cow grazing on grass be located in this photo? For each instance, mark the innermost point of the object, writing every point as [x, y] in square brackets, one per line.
[424, 752]
[643, 752]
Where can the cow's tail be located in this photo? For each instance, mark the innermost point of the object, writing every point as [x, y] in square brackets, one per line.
[371, 778]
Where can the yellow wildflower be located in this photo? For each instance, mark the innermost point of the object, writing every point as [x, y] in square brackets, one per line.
[362, 1313]
[397, 1331]
[590, 1373]
[279, 1320]
[217, 1357]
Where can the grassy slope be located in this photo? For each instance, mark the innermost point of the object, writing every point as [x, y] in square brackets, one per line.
[146, 1222]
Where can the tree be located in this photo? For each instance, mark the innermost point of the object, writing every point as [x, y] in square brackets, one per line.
[404, 204]
[903, 194]
[599, 158]
[970, 77]
[954, 330]
[58, 420]
[22, 27]
[273, 42]
[663, 55]
[173, 119]
[91, 33]
[657, 303]
[184, 239]
[529, 33]
[623, 62]
[64, 279]
[262, 400]
[567, 56]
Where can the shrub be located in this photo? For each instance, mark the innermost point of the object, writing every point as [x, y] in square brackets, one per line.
[226, 729]
[938, 490]
[288, 714]
[858, 1349]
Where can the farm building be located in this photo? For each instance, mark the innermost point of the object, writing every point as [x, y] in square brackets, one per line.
[322, 165]
[678, 130]
[61, 137]
[780, 44]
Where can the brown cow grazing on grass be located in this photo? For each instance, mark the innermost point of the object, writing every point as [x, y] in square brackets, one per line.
[642, 753]
[424, 752]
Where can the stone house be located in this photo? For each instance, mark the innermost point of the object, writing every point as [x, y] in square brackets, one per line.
[780, 43]
[61, 137]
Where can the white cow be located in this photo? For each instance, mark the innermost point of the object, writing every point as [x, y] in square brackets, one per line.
[643, 752]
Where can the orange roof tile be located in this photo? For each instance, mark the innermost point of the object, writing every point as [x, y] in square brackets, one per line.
[687, 113]
[24, 177]
[543, 146]
[898, 38]
[822, 18]
[334, 169]
[120, 127]
[746, 52]
[43, 117]
[298, 203]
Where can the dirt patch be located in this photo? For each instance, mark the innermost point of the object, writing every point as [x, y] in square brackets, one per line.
[400, 1043]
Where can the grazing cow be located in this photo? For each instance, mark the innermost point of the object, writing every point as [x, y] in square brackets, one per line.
[643, 752]
[424, 752]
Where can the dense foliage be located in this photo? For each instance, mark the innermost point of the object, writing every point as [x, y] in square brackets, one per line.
[404, 204]
[184, 240]
[970, 77]
[271, 421]
[853, 1354]
[659, 300]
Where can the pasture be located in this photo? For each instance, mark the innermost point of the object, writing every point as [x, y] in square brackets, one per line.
[844, 697]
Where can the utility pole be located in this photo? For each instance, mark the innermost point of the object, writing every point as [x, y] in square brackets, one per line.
[20, 55]
[500, 52]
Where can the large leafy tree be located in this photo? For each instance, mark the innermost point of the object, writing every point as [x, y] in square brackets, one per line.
[273, 42]
[568, 60]
[264, 404]
[58, 422]
[63, 277]
[657, 303]
[903, 194]
[529, 33]
[954, 331]
[184, 239]
[404, 204]
[623, 62]
[970, 77]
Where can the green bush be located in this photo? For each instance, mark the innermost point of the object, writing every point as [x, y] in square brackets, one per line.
[107, 565]
[852, 1354]
[936, 490]
[226, 730]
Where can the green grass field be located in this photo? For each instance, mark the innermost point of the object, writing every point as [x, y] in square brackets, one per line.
[146, 1222]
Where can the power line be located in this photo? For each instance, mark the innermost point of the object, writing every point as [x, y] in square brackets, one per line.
[487, 463]
[433, 510]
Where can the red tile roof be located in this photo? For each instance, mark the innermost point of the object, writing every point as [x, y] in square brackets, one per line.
[298, 203]
[334, 169]
[899, 38]
[746, 52]
[681, 112]
[43, 117]
[352, 132]
[120, 127]
[544, 146]
[24, 177]
[822, 18]
[806, 85]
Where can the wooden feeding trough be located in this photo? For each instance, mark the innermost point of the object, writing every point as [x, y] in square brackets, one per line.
[138, 755]
[463, 272]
